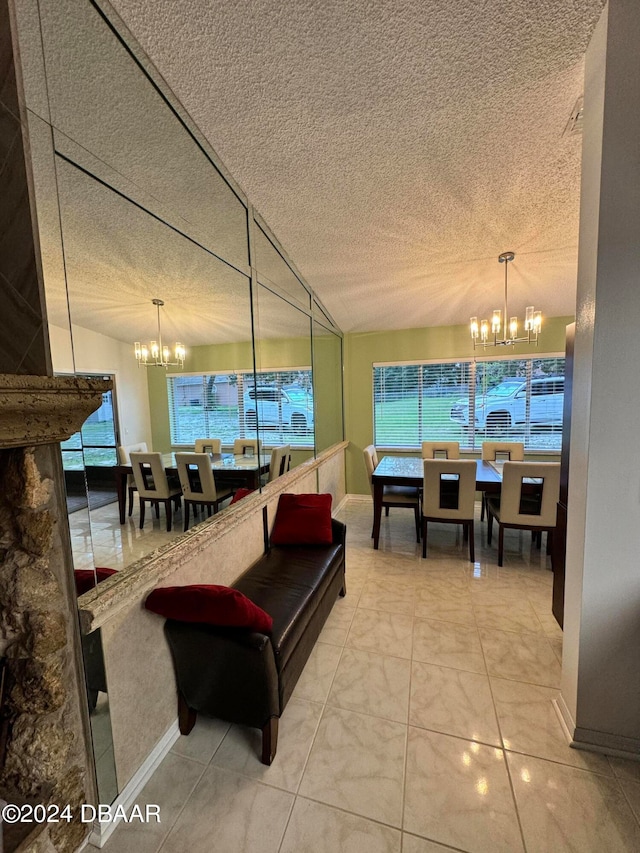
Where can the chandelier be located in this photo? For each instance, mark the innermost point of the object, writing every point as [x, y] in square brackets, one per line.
[485, 336]
[155, 354]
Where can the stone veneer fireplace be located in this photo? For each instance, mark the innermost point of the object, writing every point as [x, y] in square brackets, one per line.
[45, 754]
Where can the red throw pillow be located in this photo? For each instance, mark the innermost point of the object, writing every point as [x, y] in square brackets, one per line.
[303, 520]
[241, 493]
[86, 579]
[211, 604]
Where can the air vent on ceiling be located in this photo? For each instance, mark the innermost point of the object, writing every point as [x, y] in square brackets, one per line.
[574, 125]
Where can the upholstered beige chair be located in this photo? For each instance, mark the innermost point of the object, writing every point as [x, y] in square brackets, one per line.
[280, 461]
[516, 508]
[240, 446]
[124, 459]
[152, 484]
[513, 451]
[448, 495]
[441, 449]
[396, 496]
[208, 445]
[198, 484]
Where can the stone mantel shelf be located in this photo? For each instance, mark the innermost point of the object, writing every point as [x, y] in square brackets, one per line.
[46, 409]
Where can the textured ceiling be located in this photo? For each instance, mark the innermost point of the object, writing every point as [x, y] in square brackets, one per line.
[395, 147]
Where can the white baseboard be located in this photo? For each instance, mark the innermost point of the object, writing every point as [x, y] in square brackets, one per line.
[126, 798]
[359, 498]
[593, 741]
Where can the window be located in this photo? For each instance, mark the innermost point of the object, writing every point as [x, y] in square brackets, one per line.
[230, 406]
[520, 399]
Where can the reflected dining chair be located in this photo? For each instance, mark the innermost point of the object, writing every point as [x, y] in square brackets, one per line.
[517, 508]
[198, 484]
[124, 459]
[441, 449]
[153, 485]
[280, 461]
[449, 495]
[396, 496]
[240, 446]
[208, 445]
[513, 451]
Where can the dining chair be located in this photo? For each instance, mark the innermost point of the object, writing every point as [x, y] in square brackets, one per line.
[517, 508]
[241, 445]
[280, 461]
[512, 450]
[434, 449]
[198, 484]
[124, 459]
[393, 496]
[153, 485]
[208, 445]
[449, 495]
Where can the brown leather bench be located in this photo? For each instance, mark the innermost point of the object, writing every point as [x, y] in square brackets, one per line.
[247, 677]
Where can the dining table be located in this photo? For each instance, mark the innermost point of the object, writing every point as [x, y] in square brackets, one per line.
[227, 468]
[409, 471]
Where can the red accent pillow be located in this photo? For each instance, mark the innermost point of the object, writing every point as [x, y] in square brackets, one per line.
[86, 580]
[241, 493]
[211, 604]
[303, 520]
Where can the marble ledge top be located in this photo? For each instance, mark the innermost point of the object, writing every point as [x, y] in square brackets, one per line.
[119, 591]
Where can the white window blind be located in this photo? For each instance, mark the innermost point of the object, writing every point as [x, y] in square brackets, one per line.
[520, 399]
[234, 405]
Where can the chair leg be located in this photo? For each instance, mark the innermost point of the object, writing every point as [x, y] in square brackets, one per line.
[500, 543]
[131, 491]
[417, 517]
[157, 506]
[269, 740]
[472, 546]
[424, 537]
[483, 505]
[489, 526]
[549, 541]
[167, 505]
[386, 510]
[143, 504]
[186, 515]
[186, 716]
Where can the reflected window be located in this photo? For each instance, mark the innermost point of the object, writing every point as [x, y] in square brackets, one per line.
[233, 405]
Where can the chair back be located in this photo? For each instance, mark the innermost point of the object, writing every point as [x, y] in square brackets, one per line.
[449, 488]
[513, 450]
[441, 449]
[280, 458]
[196, 477]
[208, 445]
[125, 451]
[149, 475]
[515, 508]
[370, 462]
[240, 446]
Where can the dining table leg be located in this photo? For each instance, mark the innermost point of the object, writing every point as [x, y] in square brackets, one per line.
[378, 490]
[121, 491]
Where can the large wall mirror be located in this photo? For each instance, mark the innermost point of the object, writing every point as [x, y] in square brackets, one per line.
[132, 208]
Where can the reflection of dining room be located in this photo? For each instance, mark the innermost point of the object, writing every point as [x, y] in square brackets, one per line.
[418, 307]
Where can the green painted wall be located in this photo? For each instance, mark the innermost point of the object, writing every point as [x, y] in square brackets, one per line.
[436, 342]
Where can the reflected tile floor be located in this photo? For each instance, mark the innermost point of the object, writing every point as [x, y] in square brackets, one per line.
[423, 722]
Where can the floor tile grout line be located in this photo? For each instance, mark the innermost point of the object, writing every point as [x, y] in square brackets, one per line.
[178, 815]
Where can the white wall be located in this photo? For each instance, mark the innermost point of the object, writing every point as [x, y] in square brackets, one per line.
[601, 675]
[95, 353]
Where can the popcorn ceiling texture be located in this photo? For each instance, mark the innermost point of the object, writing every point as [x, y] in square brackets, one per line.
[395, 148]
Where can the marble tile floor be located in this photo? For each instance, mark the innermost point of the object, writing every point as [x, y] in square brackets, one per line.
[423, 722]
[105, 542]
